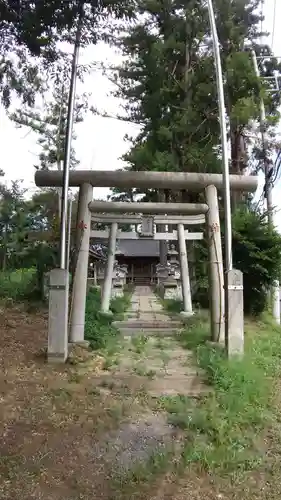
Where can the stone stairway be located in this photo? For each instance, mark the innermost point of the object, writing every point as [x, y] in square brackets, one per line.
[146, 316]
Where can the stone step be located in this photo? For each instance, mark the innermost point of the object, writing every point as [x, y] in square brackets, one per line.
[152, 324]
[152, 311]
[148, 332]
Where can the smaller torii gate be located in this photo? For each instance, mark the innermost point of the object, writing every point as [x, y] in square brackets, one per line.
[148, 226]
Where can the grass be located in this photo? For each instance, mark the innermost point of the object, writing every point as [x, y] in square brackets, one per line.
[232, 432]
[17, 284]
[172, 306]
[224, 432]
[99, 330]
[133, 483]
[221, 430]
[139, 343]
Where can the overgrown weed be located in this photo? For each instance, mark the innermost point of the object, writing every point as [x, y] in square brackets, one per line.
[222, 428]
[99, 330]
[172, 306]
[18, 284]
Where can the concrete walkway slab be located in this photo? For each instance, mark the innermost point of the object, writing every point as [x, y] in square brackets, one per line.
[168, 368]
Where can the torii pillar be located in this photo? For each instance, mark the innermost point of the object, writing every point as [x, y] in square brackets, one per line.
[79, 290]
[107, 284]
[216, 274]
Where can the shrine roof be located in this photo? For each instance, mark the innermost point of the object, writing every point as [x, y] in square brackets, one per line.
[138, 248]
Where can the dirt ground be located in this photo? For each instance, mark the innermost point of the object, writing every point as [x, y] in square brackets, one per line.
[60, 426]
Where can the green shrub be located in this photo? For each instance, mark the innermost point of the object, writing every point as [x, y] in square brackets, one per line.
[98, 327]
[257, 253]
[19, 284]
[173, 306]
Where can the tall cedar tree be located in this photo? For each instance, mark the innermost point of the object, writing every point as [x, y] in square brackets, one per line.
[169, 87]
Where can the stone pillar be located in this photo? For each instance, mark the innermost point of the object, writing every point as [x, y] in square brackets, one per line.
[187, 303]
[163, 246]
[106, 290]
[79, 289]
[216, 276]
[234, 328]
[58, 316]
[95, 274]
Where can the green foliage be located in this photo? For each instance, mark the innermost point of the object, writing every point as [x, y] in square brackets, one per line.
[222, 429]
[19, 219]
[98, 327]
[256, 252]
[13, 223]
[168, 83]
[166, 89]
[32, 34]
[18, 285]
[173, 306]
[50, 123]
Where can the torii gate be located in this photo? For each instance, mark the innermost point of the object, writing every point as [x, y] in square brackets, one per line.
[85, 180]
[147, 232]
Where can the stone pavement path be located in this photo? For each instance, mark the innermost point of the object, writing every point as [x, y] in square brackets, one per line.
[164, 367]
[154, 367]
[146, 316]
[168, 368]
[146, 306]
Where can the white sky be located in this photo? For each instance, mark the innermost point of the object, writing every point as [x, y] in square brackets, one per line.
[100, 141]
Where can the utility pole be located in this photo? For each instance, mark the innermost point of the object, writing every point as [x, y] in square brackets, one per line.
[225, 164]
[68, 138]
[231, 331]
[275, 298]
[266, 166]
[69, 233]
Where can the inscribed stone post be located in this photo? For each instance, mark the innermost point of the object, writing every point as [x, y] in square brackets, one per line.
[235, 313]
[58, 316]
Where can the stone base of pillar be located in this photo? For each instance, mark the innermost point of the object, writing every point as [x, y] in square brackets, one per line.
[85, 344]
[58, 316]
[186, 314]
[234, 324]
[215, 345]
[106, 314]
[77, 334]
